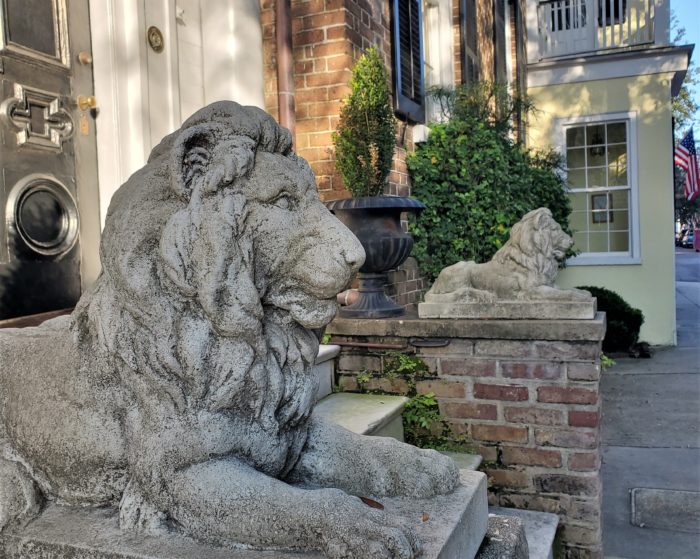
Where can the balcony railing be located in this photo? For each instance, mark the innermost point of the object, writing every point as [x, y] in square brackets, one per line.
[567, 27]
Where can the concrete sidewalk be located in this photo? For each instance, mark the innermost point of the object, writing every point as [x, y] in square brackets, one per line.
[651, 440]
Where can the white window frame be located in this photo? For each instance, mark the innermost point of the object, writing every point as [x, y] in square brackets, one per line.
[633, 256]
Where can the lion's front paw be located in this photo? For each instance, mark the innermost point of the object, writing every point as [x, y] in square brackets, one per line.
[404, 470]
[20, 500]
[356, 531]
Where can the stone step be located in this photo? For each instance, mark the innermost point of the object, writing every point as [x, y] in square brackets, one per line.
[449, 526]
[324, 369]
[505, 539]
[464, 460]
[540, 529]
[365, 414]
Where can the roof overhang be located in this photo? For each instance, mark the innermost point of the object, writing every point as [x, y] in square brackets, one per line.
[616, 64]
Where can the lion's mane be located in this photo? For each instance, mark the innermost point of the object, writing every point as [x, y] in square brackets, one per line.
[531, 247]
[176, 309]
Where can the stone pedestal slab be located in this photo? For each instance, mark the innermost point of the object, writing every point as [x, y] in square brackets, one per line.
[454, 528]
[513, 310]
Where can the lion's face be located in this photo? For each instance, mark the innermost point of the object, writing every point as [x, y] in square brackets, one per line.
[254, 233]
[304, 256]
[552, 237]
[538, 233]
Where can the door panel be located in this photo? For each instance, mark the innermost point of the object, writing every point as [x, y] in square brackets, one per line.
[43, 134]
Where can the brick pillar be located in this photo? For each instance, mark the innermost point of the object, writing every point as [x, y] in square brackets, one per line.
[525, 391]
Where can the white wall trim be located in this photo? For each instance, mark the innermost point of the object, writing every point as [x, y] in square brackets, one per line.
[118, 51]
[595, 258]
[608, 66]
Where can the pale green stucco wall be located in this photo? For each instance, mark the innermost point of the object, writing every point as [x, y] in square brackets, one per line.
[648, 286]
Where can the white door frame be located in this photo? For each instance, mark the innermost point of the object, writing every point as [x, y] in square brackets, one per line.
[138, 92]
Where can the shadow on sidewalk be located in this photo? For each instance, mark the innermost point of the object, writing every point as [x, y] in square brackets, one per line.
[651, 438]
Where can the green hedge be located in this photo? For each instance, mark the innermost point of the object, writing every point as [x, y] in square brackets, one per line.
[477, 182]
[623, 320]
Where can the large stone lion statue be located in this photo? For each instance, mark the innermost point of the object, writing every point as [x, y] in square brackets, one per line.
[523, 269]
[180, 389]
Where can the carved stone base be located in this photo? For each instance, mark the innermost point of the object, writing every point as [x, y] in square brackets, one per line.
[454, 527]
[514, 310]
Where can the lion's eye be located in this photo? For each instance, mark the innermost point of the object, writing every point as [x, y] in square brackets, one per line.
[282, 201]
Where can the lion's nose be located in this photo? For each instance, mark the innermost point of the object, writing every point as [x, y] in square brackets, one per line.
[353, 253]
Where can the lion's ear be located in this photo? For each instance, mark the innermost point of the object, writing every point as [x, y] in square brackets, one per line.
[190, 158]
[544, 216]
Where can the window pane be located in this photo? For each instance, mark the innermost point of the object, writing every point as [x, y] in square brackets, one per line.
[619, 241]
[619, 220]
[31, 24]
[579, 201]
[617, 176]
[578, 221]
[617, 160]
[596, 156]
[619, 199]
[577, 179]
[617, 132]
[598, 242]
[595, 135]
[581, 241]
[575, 158]
[617, 155]
[575, 136]
[597, 178]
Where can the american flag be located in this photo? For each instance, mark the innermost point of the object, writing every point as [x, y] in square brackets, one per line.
[686, 158]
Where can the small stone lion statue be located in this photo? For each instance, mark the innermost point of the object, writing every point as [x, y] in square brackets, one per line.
[523, 269]
[180, 389]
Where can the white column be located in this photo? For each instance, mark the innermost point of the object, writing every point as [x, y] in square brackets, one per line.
[232, 51]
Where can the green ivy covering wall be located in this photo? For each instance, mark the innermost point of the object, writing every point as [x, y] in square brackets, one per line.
[477, 181]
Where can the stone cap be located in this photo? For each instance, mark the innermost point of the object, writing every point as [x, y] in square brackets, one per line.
[410, 326]
[363, 414]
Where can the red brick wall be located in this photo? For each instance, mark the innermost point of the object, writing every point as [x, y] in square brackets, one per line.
[328, 36]
[524, 392]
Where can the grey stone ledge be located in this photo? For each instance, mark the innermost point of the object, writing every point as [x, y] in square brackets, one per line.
[505, 539]
[511, 310]
[503, 329]
[540, 529]
[364, 414]
[450, 527]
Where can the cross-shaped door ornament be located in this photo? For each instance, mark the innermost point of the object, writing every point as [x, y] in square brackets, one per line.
[39, 118]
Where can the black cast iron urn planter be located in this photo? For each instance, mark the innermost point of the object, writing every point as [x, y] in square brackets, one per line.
[376, 222]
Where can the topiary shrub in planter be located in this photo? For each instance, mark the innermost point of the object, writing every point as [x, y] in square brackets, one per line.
[476, 181]
[365, 137]
[623, 320]
[364, 147]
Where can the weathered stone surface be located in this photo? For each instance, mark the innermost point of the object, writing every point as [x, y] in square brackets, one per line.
[512, 310]
[181, 388]
[517, 283]
[487, 329]
[665, 509]
[448, 526]
[505, 539]
[364, 414]
[540, 529]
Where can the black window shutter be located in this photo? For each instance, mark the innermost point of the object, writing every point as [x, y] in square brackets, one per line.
[500, 71]
[469, 54]
[408, 59]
